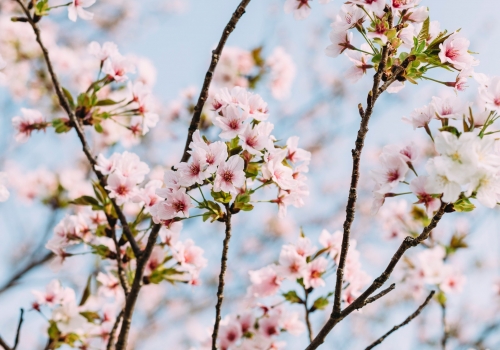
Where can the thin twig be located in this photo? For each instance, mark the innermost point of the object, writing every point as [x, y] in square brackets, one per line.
[408, 320]
[111, 339]
[444, 338]
[63, 101]
[307, 315]
[380, 295]
[216, 54]
[121, 272]
[33, 264]
[360, 301]
[121, 344]
[18, 332]
[356, 159]
[223, 268]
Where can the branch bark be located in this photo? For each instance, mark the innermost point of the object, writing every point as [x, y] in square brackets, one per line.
[361, 301]
[121, 344]
[223, 268]
[405, 322]
[111, 339]
[216, 54]
[18, 332]
[33, 264]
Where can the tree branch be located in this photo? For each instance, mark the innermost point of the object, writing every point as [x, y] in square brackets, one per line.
[307, 315]
[444, 338]
[360, 301]
[216, 54]
[408, 320]
[223, 268]
[79, 130]
[380, 295]
[356, 159]
[136, 287]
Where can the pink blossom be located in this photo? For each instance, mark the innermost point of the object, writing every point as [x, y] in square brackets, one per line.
[230, 332]
[490, 94]
[331, 242]
[177, 204]
[53, 295]
[418, 186]
[156, 260]
[340, 41]
[282, 75]
[348, 18]
[213, 154]
[121, 188]
[169, 235]
[110, 285]
[376, 6]
[76, 9]
[421, 117]
[231, 122]
[453, 283]
[230, 175]
[449, 107]
[117, 66]
[270, 326]
[107, 50]
[291, 264]
[172, 182]
[454, 51]
[189, 254]
[147, 195]
[257, 138]
[193, 172]
[30, 120]
[296, 154]
[394, 170]
[265, 282]
[279, 173]
[361, 63]
[300, 8]
[404, 4]
[107, 165]
[314, 271]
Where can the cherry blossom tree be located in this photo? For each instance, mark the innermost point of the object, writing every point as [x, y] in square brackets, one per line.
[204, 191]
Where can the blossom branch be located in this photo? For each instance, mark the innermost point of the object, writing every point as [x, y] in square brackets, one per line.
[63, 101]
[361, 301]
[131, 299]
[408, 320]
[223, 268]
[444, 338]
[216, 54]
[356, 157]
[119, 264]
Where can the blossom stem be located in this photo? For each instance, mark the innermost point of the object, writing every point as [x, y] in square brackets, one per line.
[364, 10]
[434, 80]
[57, 6]
[428, 131]
[307, 314]
[368, 41]
[363, 51]
[223, 267]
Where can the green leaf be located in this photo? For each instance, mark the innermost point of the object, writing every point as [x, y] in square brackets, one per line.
[424, 32]
[242, 198]
[463, 204]
[451, 129]
[90, 316]
[214, 207]
[221, 197]
[243, 206]
[441, 298]
[60, 126]
[53, 331]
[71, 339]
[42, 7]
[85, 200]
[252, 170]
[292, 297]
[101, 250]
[107, 102]
[69, 97]
[235, 150]
[320, 304]
[98, 128]
[86, 291]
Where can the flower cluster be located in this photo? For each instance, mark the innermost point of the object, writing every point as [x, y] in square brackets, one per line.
[125, 171]
[249, 331]
[304, 263]
[85, 323]
[415, 39]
